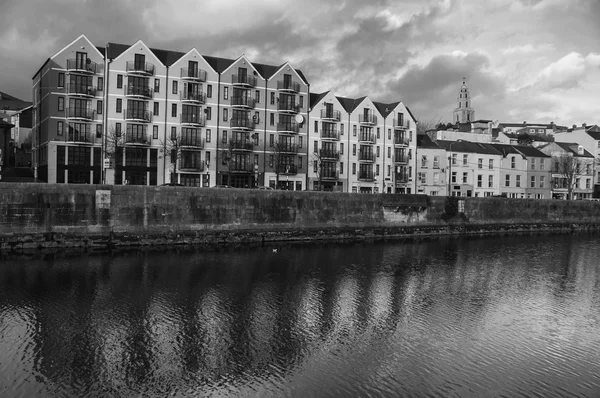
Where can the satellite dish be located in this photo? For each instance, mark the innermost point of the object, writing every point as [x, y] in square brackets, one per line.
[299, 118]
[88, 61]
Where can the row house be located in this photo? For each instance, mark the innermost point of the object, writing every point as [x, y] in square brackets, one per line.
[359, 145]
[572, 170]
[589, 138]
[125, 114]
[431, 167]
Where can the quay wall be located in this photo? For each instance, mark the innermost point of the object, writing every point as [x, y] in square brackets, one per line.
[37, 216]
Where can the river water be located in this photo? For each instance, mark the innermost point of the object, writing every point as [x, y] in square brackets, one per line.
[496, 316]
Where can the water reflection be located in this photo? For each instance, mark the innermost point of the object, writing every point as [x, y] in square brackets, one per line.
[493, 316]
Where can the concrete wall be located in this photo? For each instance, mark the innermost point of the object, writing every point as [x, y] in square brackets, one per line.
[38, 216]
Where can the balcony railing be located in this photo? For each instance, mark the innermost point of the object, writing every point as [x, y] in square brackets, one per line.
[401, 124]
[145, 68]
[140, 91]
[288, 86]
[400, 139]
[289, 169]
[245, 123]
[367, 119]
[288, 106]
[195, 74]
[199, 96]
[247, 102]
[330, 134]
[137, 138]
[402, 177]
[244, 167]
[329, 154]
[246, 80]
[242, 145]
[138, 114]
[81, 89]
[87, 66]
[330, 174]
[78, 136]
[192, 141]
[365, 175]
[81, 113]
[366, 156]
[291, 127]
[331, 115]
[192, 118]
[366, 137]
[288, 148]
[188, 164]
[402, 159]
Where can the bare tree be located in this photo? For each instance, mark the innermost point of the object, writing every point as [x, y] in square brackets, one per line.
[317, 161]
[570, 168]
[424, 125]
[228, 158]
[26, 145]
[281, 162]
[172, 146]
[114, 144]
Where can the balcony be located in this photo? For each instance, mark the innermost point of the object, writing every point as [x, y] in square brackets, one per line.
[367, 119]
[190, 161]
[245, 102]
[364, 156]
[79, 136]
[87, 66]
[81, 113]
[285, 106]
[401, 159]
[245, 123]
[81, 89]
[288, 148]
[291, 127]
[366, 175]
[242, 145]
[292, 86]
[331, 115]
[243, 167]
[244, 80]
[192, 141]
[401, 124]
[144, 68]
[137, 138]
[141, 115]
[139, 91]
[366, 137]
[401, 140]
[329, 154]
[193, 74]
[195, 119]
[197, 97]
[402, 177]
[289, 169]
[330, 134]
[330, 175]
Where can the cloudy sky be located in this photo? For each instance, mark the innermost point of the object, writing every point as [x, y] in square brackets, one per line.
[524, 60]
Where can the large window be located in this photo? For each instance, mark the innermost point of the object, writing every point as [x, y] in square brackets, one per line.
[79, 155]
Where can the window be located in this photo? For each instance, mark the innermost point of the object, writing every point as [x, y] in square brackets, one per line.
[532, 164]
[225, 93]
[507, 180]
[155, 132]
[272, 98]
[119, 105]
[543, 182]
[225, 114]
[491, 166]
[316, 126]
[353, 149]
[422, 177]
[208, 113]
[376, 169]
[424, 161]
[436, 177]
[513, 161]
[59, 128]
[341, 148]
[378, 149]
[99, 106]
[224, 137]
[119, 81]
[301, 101]
[389, 170]
[100, 84]
[389, 152]
[542, 164]
[173, 110]
[518, 182]
[61, 104]
[157, 85]
[354, 130]
[272, 119]
[99, 130]
[532, 182]
[588, 182]
[454, 177]
[465, 177]
[436, 162]
[465, 159]
[299, 142]
[156, 108]
[175, 88]
[588, 169]
[353, 168]
[209, 91]
[454, 157]
[315, 145]
[61, 80]
[490, 181]
[480, 163]
[208, 135]
[479, 181]
[342, 129]
[257, 97]
[118, 129]
[378, 133]
[341, 167]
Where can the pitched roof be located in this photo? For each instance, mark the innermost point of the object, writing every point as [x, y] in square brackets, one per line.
[350, 104]
[10, 103]
[505, 149]
[411, 114]
[530, 151]
[425, 142]
[469, 147]
[594, 134]
[316, 98]
[540, 137]
[572, 148]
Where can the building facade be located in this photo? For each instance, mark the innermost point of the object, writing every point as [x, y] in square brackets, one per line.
[431, 167]
[573, 170]
[464, 111]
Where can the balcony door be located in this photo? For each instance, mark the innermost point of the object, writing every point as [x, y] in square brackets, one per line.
[242, 75]
[328, 110]
[80, 60]
[139, 62]
[192, 69]
[287, 80]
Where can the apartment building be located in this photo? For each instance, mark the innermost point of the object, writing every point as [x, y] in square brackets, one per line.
[431, 167]
[588, 137]
[539, 178]
[573, 170]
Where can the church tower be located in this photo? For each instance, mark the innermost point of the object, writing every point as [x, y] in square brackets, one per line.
[463, 113]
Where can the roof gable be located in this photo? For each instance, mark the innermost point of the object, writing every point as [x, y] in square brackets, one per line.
[291, 68]
[134, 46]
[82, 37]
[193, 55]
[242, 58]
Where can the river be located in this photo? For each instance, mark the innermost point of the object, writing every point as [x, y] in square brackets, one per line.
[473, 317]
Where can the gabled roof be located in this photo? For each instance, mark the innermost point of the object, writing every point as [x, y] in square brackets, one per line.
[530, 151]
[594, 134]
[469, 147]
[505, 149]
[217, 63]
[386, 109]
[425, 142]
[572, 147]
[350, 104]
[316, 98]
[10, 103]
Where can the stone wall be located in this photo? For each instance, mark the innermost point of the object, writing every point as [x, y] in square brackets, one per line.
[51, 215]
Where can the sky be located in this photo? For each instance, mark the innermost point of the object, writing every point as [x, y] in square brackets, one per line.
[523, 60]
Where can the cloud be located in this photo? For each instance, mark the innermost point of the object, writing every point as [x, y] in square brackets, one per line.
[567, 72]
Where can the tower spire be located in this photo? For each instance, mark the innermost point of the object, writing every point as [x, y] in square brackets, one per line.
[463, 113]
